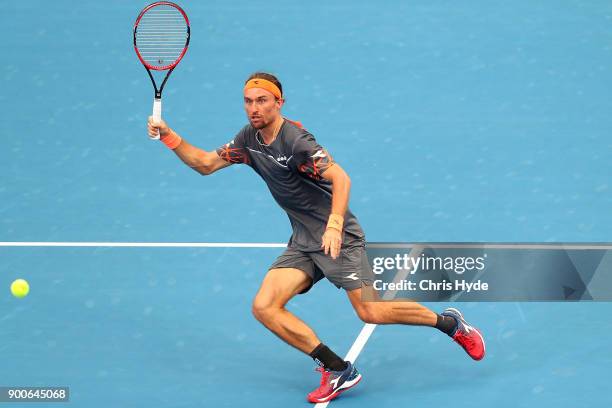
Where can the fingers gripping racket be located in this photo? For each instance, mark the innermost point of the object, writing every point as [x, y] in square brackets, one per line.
[161, 37]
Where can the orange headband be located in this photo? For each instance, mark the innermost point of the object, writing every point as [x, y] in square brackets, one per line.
[263, 84]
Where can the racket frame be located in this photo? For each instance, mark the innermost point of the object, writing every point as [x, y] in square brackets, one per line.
[169, 67]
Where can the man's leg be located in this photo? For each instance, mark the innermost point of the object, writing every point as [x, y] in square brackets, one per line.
[396, 312]
[451, 321]
[277, 288]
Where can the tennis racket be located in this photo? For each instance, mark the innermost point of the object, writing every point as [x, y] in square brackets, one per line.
[161, 37]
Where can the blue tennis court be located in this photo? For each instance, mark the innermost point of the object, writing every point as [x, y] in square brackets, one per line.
[467, 122]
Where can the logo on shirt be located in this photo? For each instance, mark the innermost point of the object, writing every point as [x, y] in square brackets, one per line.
[320, 154]
[281, 158]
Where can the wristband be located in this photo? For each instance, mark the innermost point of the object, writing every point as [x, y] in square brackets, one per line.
[172, 140]
[335, 221]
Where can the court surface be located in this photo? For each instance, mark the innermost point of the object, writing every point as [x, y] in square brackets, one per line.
[479, 121]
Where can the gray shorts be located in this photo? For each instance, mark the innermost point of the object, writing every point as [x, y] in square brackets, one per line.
[349, 271]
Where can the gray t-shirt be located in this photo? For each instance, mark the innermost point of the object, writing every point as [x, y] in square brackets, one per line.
[292, 167]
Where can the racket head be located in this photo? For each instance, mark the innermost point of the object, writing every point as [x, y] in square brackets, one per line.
[161, 35]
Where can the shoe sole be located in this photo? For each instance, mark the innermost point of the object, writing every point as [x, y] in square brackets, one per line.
[344, 387]
[484, 346]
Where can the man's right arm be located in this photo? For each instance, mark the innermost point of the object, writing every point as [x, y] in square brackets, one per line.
[198, 159]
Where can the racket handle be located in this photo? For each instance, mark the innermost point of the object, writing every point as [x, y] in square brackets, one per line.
[157, 107]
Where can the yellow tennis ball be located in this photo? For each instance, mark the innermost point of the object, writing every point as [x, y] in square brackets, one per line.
[20, 288]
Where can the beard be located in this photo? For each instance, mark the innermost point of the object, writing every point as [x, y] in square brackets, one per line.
[259, 123]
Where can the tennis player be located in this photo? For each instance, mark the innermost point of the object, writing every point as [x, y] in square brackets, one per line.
[327, 240]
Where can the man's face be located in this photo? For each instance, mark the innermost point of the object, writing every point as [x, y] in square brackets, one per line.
[261, 107]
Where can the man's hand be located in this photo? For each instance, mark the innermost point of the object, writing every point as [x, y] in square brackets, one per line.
[332, 241]
[153, 125]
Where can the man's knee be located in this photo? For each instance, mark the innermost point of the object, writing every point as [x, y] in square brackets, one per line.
[263, 309]
[278, 287]
[369, 313]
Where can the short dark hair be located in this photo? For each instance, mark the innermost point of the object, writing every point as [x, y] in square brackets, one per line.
[268, 77]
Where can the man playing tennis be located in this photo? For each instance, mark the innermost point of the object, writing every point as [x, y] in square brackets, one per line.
[327, 240]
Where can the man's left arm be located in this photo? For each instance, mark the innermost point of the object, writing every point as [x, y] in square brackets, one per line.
[341, 187]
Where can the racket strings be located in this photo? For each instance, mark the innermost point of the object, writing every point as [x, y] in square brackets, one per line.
[161, 36]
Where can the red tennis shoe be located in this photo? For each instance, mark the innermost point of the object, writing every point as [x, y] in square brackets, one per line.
[333, 383]
[466, 336]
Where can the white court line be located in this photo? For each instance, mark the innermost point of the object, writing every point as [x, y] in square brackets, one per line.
[484, 245]
[146, 244]
[355, 350]
[598, 246]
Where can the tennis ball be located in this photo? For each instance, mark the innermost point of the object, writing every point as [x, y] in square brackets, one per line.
[20, 288]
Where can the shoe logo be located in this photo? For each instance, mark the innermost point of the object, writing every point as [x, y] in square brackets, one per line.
[352, 276]
[467, 328]
[334, 382]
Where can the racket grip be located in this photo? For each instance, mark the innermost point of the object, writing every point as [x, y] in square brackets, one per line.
[157, 108]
